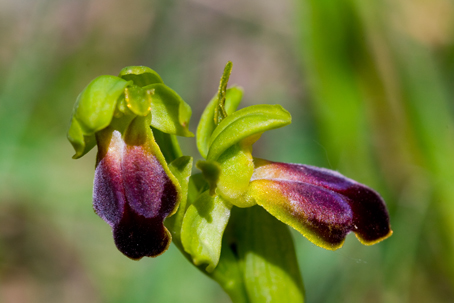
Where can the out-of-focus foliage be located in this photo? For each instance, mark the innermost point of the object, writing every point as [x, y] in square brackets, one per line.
[379, 76]
[369, 88]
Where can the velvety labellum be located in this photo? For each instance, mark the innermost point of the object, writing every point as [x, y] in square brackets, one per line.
[133, 193]
[322, 204]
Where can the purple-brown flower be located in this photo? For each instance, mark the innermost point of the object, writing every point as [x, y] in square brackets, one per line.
[321, 204]
[134, 190]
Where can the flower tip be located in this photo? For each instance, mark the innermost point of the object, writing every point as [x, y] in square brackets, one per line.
[137, 237]
[187, 133]
[319, 241]
[375, 241]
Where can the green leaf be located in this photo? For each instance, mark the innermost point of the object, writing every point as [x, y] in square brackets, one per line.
[181, 168]
[96, 104]
[170, 114]
[82, 144]
[140, 75]
[138, 100]
[228, 274]
[203, 228]
[247, 123]
[267, 257]
[206, 125]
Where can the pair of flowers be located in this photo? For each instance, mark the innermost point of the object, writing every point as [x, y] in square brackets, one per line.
[142, 180]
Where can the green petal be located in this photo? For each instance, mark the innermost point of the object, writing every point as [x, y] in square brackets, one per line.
[96, 104]
[181, 168]
[203, 228]
[206, 125]
[138, 100]
[82, 144]
[140, 75]
[170, 114]
[267, 256]
[246, 123]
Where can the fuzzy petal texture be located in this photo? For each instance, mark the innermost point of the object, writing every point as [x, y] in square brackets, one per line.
[134, 190]
[321, 204]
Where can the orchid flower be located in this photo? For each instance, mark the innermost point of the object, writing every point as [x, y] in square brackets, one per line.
[321, 204]
[134, 190]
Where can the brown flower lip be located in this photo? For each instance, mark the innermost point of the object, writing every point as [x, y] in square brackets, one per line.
[320, 203]
[133, 193]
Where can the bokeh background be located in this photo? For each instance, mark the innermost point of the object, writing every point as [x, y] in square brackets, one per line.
[370, 85]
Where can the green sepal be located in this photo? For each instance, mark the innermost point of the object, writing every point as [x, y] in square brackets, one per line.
[140, 75]
[267, 257]
[170, 114]
[82, 144]
[244, 124]
[210, 171]
[138, 100]
[96, 104]
[203, 227]
[206, 125]
[181, 168]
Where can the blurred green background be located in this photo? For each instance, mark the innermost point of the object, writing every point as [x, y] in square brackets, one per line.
[370, 85]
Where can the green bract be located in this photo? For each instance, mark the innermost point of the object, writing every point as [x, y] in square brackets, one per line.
[181, 169]
[203, 228]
